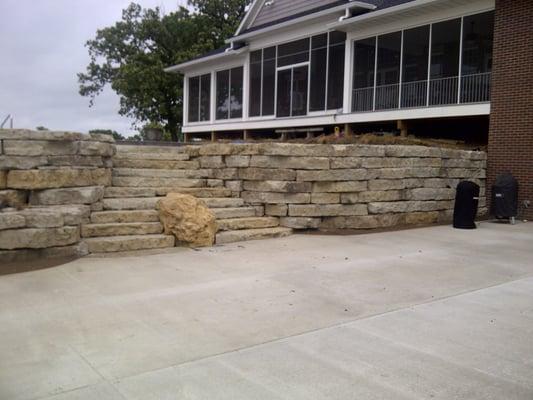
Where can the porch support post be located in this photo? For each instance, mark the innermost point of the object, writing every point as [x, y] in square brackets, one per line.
[348, 132]
[213, 136]
[246, 134]
[187, 137]
[402, 126]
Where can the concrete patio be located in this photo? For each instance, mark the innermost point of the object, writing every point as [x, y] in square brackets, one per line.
[418, 314]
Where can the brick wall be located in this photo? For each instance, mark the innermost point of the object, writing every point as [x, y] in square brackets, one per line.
[511, 125]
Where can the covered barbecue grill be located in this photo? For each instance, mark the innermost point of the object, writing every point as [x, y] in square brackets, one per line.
[504, 202]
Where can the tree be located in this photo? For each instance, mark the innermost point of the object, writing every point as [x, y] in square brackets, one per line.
[115, 134]
[41, 128]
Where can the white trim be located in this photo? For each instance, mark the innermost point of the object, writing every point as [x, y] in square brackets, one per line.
[302, 64]
[251, 10]
[183, 66]
[428, 92]
[459, 83]
[400, 78]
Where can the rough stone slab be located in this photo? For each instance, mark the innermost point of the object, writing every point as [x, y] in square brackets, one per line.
[36, 238]
[114, 192]
[11, 220]
[383, 162]
[276, 198]
[276, 210]
[300, 222]
[142, 181]
[234, 212]
[149, 150]
[30, 148]
[98, 206]
[3, 179]
[394, 184]
[76, 160]
[91, 148]
[259, 210]
[155, 164]
[237, 161]
[430, 194]
[466, 173]
[141, 203]
[13, 198]
[277, 186]
[325, 198]
[321, 150]
[362, 222]
[36, 179]
[311, 163]
[372, 196]
[422, 218]
[43, 218]
[129, 243]
[215, 183]
[212, 162]
[197, 192]
[22, 162]
[162, 173]
[223, 202]
[358, 150]
[234, 186]
[225, 173]
[121, 229]
[134, 158]
[109, 217]
[27, 134]
[408, 206]
[225, 149]
[73, 215]
[339, 187]
[327, 210]
[337, 175]
[20, 256]
[264, 174]
[247, 223]
[66, 196]
[412, 151]
[251, 234]
[463, 163]
[417, 172]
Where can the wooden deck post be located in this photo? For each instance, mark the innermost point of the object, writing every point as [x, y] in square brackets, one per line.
[402, 126]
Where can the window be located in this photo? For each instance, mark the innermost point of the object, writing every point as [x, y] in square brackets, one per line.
[388, 71]
[293, 53]
[262, 81]
[415, 66]
[256, 59]
[337, 45]
[199, 98]
[319, 62]
[269, 80]
[229, 93]
[445, 43]
[363, 74]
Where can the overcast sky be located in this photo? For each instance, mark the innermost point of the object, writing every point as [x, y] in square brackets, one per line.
[42, 50]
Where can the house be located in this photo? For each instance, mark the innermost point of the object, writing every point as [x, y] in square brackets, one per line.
[325, 63]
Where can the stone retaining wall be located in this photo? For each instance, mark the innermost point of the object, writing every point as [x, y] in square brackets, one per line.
[49, 183]
[342, 186]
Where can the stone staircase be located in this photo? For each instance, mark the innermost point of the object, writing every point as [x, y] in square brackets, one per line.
[142, 175]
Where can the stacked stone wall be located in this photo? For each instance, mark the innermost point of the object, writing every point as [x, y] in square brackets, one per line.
[49, 184]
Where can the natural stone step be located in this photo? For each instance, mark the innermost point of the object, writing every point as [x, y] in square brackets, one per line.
[163, 173]
[141, 203]
[121, 229]
[151, 156]
[144, 181]
[128, 243]
[223, 202]
[247, 223]
[128, 149]
[234, 212]
[109, 217]
[114, 192]
[251, 234]
[120, 162]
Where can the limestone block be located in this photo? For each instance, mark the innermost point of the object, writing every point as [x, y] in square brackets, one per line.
[466, 173]
[358, 150]
[81, 195]
[430, 194]
[237, 161]
[76, 160]
[327, 210]
[188, 219]
[276, 210]
[337, 175]
[43, 218]
[394, 184]
[26, 134]
[163, 173]
[259, 211]
[290, 162]
[11, 220]
[325, 198]
[91, 148]
[339, 187]
[22, 162]
[129, 192]
[13, 198]
[440, 183]
[300, 222]
[277, 186]
[408, 206]
[276, 198]
[384, 162]
[412, 151]
[132, 181]
[56, 178]
[225, 149]
[372, 196]
[347, 162]
[421, 218]
[98, 206]
[264, 174]
[416, 172]
[298, 150]
[39, 238]
[234, 186]
[212, 162]
[100, 137]
[120, 162]
[3, 179]
[29, 148]
[214, 183]
[225, 173]
[463, 163]
[362, 222]
[72, 215]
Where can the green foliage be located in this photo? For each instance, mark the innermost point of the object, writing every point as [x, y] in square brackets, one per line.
[115, 134]
[41, 128]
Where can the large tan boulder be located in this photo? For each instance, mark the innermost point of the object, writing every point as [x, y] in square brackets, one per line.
[188, 219]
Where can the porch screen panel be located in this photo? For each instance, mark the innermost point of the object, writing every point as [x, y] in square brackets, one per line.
[445, 43]
[478, 32]
[319, 56]
[269, 80]
[235, 93]
[255, 83]
[388, 71]
[194, 98]
[222, 95]
[205, 97]
[283, 108]
[363, 74]
[299, 91]
[293, 53]
[337, 44]
[415, 67]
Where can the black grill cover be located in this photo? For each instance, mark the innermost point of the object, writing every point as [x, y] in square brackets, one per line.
[504, 202]
[466, 203]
